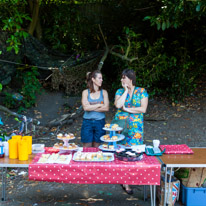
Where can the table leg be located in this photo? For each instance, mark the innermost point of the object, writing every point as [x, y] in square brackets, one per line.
[145, 192]
[165, 193]
[153, 194]
[170, 178]
[4, 172]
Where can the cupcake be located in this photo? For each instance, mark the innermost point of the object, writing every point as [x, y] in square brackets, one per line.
[71, 135]
[60, 135]
[114, 126]
[78, 157]
[56, 145]
[107, 125]
[105, 146]
[70, 147]
[114, 137]
[111, 146]
[106, 137]
[89, 156]
[67, 136]
[99, 155]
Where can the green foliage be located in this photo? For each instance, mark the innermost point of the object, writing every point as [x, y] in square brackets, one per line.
[170, 58]
[174, 13]
[31, 86]
[68, 29]
[1, 87]
[9, 101]
[13, 23]
[159, 71]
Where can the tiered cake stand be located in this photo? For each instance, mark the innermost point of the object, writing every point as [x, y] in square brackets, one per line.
[112, 132]
[65, 146]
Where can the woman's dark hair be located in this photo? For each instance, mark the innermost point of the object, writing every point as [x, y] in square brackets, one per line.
[130, 74]
[89, 77]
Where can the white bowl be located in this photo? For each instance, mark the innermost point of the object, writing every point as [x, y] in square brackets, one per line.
[37, 147]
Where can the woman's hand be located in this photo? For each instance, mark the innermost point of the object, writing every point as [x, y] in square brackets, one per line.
[125, 86]
[136, 110]
[104, 107]
[125, 108]
[86, 105]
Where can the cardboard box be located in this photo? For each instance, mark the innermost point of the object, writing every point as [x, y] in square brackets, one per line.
[203, 178]
[173, 192]
[195, 176]
[191, 177]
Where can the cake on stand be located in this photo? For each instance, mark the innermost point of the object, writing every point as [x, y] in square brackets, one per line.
[66, 147]
[112, 138]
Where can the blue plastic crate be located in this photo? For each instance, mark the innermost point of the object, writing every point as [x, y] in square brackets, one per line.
[193, 196]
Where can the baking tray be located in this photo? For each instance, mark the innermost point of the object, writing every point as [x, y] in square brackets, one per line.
[95, 159]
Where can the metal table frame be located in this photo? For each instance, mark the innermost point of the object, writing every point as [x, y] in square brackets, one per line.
[171, 161]
[10, 163]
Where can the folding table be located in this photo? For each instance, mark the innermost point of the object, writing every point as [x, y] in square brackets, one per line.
[171, 161]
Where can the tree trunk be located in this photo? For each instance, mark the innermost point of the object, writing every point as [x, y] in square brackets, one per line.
[38, 30]
[34, 7]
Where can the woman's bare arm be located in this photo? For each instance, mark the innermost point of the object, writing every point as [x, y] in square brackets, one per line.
[136, 110]
[120, 100]
[85, 103]
[104, 107]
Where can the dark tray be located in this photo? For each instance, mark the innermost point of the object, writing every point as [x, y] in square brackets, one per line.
[123, 156]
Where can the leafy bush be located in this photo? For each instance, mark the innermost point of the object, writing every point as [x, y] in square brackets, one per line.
[161, 70]
[30, 87]
[9, 101]
[15, 19]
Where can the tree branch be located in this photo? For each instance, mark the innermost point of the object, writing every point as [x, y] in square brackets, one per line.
[100, 65]
[66, 118]
[128, 47]
[102, 35]
[123, 57]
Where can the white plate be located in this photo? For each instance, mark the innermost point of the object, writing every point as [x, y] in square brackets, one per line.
[38, 147]
[65, 149]
[57, 161]
[111, 150]
[104, 154]
[37, 151]
[139, 148]
[120, 137]
[110, 129]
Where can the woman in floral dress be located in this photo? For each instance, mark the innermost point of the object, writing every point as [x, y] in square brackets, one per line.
[131, 102]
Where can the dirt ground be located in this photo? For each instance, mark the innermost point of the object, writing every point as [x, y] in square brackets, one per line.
[183, 123]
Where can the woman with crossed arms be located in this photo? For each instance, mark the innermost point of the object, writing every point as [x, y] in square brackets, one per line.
[131, 102]
[95, 103]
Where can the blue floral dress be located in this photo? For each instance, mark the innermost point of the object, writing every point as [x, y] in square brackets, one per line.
[136, 121]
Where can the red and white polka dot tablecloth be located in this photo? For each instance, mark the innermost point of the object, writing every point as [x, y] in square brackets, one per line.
[144, 172]
[176, 149]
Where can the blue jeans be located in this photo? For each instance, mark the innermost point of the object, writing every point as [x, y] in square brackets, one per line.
[92, 130]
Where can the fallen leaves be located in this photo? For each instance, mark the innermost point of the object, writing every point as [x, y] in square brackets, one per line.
[176, 115]
[53, 129]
